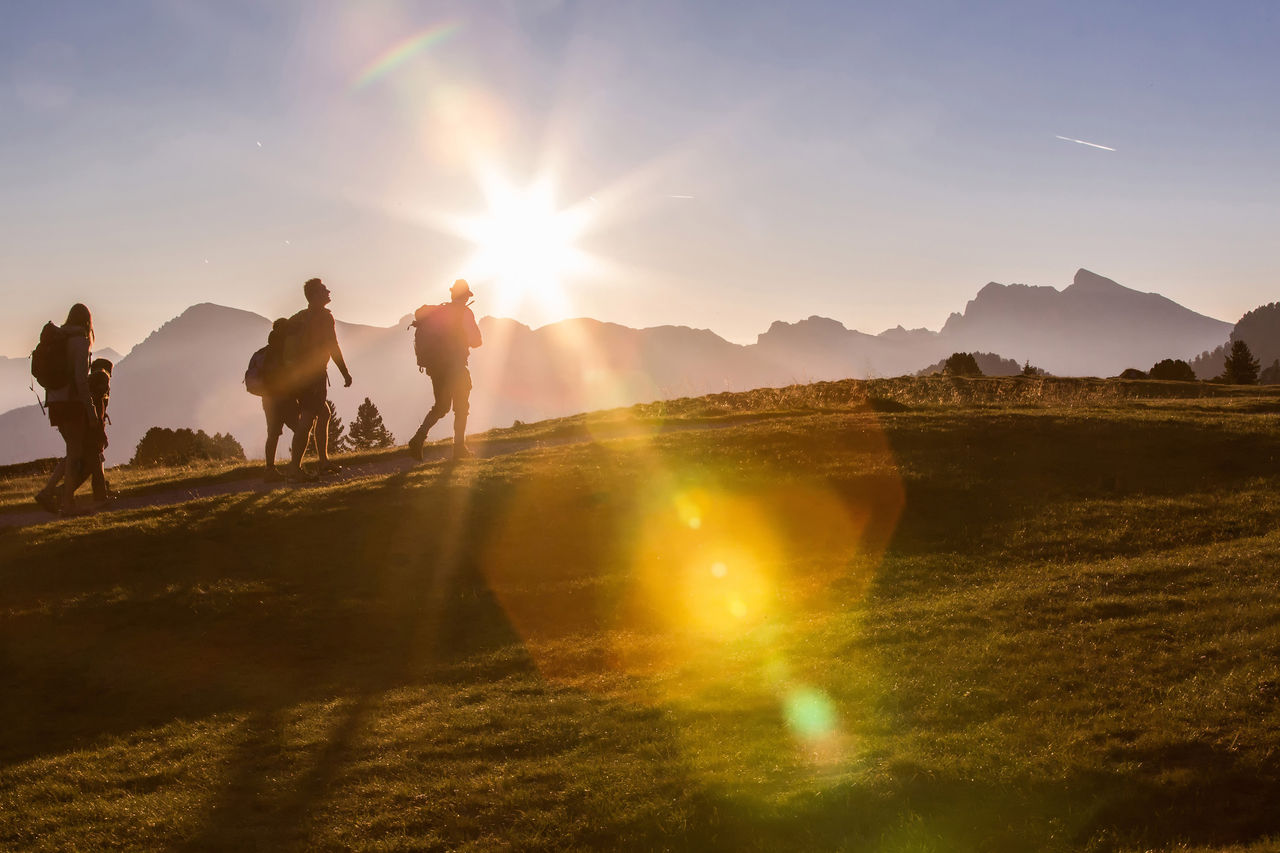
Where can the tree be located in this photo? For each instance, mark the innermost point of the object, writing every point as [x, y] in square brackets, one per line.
[961, 364]
[367, 430]
[1241, 367]
[1270, 375]
[163, 446]
[338, 441]
[1132, 373]
[1030, 370]
[1173, 369]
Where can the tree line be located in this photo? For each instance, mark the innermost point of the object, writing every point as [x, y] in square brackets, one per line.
[161, 446]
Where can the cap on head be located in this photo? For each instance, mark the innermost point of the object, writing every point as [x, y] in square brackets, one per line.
[313, 288]
[460, 289]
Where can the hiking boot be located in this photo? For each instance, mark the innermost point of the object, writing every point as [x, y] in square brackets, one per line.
[273, 475]
[415, 447]
[461, 451]
[47, 502]
[297, 474]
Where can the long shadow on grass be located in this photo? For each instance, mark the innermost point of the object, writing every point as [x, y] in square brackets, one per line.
[248, 605]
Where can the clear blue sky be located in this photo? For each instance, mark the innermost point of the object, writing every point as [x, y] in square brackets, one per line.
[751, 161]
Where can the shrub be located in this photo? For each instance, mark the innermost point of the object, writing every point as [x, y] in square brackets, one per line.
[961, 364]
[163, 446]
[1173, 369]
[1132, 373]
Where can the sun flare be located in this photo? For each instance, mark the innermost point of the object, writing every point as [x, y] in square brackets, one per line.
[525, 246]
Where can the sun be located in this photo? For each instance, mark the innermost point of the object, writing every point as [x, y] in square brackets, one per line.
[524, 245]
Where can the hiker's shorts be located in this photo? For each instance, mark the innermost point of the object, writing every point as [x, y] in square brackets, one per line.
[281, 412]
[313, 395]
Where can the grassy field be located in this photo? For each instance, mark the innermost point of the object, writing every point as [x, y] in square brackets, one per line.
[900, 615]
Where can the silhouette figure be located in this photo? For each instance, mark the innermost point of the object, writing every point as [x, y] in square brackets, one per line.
[278, 403]
[444, 340]
[71, 411]
[95, 445]
[311, 340]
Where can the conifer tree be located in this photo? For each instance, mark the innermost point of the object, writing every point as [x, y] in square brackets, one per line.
[367, 430]
[1241, 367]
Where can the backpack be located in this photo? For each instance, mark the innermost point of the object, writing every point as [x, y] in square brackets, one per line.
[303, 354]
[255, 376]
[49, 363]
[432, 332]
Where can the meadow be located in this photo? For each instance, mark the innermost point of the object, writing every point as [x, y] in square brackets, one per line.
[892, 615]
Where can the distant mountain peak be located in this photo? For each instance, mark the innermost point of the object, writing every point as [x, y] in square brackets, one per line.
[1091, 281]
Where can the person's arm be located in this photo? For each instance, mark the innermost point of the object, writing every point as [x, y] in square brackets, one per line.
[335, 352]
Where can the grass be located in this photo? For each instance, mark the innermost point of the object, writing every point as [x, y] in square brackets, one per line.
[984, 618]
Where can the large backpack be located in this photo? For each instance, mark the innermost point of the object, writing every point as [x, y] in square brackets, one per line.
[433, 333]
[49, 362]
[256, 381]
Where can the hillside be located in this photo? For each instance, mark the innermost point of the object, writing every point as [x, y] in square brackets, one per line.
[1016, 615]
[188, 373]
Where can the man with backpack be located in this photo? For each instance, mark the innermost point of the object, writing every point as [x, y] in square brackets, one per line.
[310, 341]
[445, 336]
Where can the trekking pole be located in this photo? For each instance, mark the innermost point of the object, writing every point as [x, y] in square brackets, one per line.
[39, 402]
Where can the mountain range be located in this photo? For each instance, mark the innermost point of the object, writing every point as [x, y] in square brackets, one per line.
[189, 372]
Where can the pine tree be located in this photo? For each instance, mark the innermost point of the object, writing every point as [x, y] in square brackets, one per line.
[367, 430]
[1241, 367]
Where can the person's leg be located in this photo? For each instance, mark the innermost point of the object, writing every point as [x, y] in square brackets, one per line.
[322, 433]
[440, 390]
[461, 408]
[73, 429]
[275, 409]
[48, 496]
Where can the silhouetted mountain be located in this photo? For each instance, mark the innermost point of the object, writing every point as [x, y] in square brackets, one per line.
[1095, 327]
[189, 372]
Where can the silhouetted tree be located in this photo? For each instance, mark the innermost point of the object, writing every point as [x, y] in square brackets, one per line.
[163, 446]
[1172, 369]
[1241, 367]
[1030, 370]
[1132, 373]
[367, 430]
[1270, 375]
[961, 364]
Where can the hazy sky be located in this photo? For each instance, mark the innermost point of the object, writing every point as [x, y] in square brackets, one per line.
[728, 163]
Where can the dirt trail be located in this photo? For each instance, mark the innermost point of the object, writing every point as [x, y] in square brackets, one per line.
[379, 467]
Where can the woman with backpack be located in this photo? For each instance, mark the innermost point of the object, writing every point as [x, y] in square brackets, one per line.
[70, 407]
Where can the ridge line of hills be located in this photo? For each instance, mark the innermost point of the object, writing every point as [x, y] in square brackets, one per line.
[188, 372]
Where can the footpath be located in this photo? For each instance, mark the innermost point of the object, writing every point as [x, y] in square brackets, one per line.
[379, 467]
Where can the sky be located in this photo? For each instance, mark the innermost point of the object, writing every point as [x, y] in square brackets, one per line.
[713, 164]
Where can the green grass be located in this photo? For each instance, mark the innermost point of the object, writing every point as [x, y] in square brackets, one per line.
[988, 617]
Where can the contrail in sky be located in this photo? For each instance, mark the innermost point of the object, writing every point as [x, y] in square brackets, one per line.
[1082, 142]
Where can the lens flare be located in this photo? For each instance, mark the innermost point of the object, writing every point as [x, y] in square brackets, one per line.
[398, 54]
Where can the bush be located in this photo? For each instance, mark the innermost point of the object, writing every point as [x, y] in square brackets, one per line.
[163, 446]
[1132, 373]
[961, 364]
[1173, 369]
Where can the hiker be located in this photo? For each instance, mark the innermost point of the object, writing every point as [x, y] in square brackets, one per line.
[278, 403]
[71, 411]
[310, 342]
[456, 331]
